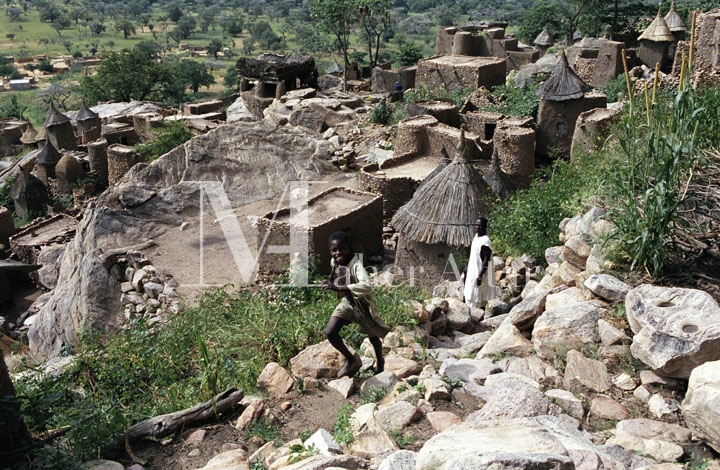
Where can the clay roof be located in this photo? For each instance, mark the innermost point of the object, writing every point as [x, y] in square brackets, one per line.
[48, 155]
[55, 117]
[564, 84]
[28, 188]
[498, 180]
[85, 113]
[443, 209]
[658, 30]
[674, 20]
[544, 38]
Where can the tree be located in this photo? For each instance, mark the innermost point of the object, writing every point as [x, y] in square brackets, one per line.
[231, 78]
[175, 12]
[151, 48]
[13, 13]
[409, 54]
[97, 28]
[337, 17]
[263, 33]
[194, 74]
[131, 75]
[125, 26]
[60, 23]
[49, 12]
[185, 26]
[375, 19]
[64, 95]
[214, 47]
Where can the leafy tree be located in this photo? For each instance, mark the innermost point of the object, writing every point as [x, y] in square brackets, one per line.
[175, 12]
[409, 54]
[97, 28]
[13, 13]
[12, 108]
[185, 26]
[231, 79]
[131, 75]
[7, 68]
[49, 12]
[125, 26]
[231, 24]
[214, 47]
[194, 74]
[151, 48]
[64, 95]
[44, 65]
[263, 33]
[337, 17]
[212, 65]
[60, 23]
[375, 20]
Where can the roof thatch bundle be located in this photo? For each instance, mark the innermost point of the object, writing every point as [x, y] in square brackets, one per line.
[55, 117]
[544, 38]
[29, 188]
[32, 135]
[444, 209]
[48, 155]
[498, 180]
[674, 20]
[658, 30]
[564, 84]
[86, 114]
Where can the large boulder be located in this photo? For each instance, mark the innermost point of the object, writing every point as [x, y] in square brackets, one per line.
[675, 329]
[564, 328]
[701, 407]
[247, 160]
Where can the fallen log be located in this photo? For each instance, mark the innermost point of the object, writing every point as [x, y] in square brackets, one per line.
[164, 425]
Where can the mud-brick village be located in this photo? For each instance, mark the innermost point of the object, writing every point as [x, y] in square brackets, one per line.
[536, 224]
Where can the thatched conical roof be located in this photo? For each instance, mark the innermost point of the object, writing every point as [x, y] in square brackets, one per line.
[30, 136]
[658, 30]
[444, 209]
[85, 114]
[55, 117]
[48, 155]
[28, 188]
[498, 180]
[544, 38]
[564, 84]
[674, 20]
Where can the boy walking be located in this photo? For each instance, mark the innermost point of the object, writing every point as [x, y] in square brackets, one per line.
[357, 305]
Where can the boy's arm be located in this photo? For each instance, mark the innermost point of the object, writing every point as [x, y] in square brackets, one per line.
[362, 286]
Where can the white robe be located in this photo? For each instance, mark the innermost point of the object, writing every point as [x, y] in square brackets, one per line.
[477, 296]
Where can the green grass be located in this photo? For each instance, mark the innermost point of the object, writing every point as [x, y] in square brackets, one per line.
[343, 434]
[146, 370]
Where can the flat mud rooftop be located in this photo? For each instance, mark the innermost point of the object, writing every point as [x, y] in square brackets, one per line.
[327, 206]
[417, 168]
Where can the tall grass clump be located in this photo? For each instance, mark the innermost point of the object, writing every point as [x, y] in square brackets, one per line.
[147, 369]
[657, 151]
[527, 221]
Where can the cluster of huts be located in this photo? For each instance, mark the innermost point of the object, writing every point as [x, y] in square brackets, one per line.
[432, 199]
[449, 164]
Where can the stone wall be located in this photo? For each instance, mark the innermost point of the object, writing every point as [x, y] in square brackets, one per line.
[384, 80]
[556, 122]
[482, 123]
[97, 156]
[608, 64]
[120, 159]
[395, 192]
[592, 128]
[515, 142]
[364, 222]
[423, 265]
[451, 72]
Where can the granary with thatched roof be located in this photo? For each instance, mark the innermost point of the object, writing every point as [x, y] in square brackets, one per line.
[544, 41]
[563, 97]
[29, 195]
[439, 220]
[497, 179]
[675, 23]
[89, 125]
[46, 161]
[32, 137]
[59, 130]
[655, 42]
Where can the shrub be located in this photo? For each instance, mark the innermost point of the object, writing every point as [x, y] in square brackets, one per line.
[172, 134]
[516, 101]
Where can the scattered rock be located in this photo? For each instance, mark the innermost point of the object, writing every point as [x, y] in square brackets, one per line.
[583, 374]
[700, 407]
[324, 442]
[607, 287]
[344, 386]
[607, 408]
[275, 379]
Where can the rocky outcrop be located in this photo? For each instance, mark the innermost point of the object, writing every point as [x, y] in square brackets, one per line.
[675, 329]
[251, 164]
[701, 405]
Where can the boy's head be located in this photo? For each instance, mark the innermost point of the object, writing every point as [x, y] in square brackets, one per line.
[341, 248]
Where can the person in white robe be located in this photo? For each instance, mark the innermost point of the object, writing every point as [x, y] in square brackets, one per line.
[479, 284]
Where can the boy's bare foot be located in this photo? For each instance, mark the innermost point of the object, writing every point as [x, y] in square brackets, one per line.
[379, 366]
[351, 367]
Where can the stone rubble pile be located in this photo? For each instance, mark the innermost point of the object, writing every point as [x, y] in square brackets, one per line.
[146, 290]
